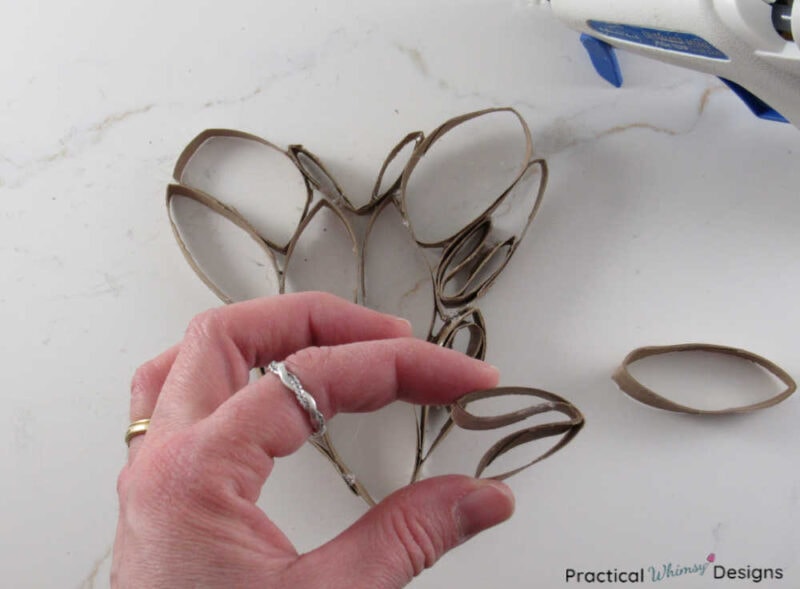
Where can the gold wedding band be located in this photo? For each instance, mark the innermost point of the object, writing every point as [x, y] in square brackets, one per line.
[137, 428]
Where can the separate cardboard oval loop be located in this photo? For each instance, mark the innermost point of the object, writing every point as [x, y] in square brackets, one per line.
[551, 402]
[632, 387]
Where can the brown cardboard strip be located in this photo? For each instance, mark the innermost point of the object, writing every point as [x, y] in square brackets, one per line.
[209, 134]
[640, 392]
[175, 191]
[436, 135]
[567, 429]
[475, 258]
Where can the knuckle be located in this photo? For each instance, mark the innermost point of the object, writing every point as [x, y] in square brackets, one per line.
[321, 297]
[317, 301]
[205, 325]
[122, 483]
[312, 357]
[421, 539]
[316, 360]
[143, 379]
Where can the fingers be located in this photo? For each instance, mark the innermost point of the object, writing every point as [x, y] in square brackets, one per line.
[146, 385]
[221, 346]
[406, 533]
[357, 377]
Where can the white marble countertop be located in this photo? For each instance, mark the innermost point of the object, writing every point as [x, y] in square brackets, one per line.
[671, 216]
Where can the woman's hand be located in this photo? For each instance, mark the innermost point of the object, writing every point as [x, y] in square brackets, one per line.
[188, 516]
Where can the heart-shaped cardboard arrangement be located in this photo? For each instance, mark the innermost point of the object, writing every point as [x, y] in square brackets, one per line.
[447, 212]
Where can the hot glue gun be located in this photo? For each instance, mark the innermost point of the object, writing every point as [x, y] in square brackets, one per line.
[751, 45]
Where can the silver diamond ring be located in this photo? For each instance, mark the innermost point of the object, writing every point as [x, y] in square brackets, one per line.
[305, 399]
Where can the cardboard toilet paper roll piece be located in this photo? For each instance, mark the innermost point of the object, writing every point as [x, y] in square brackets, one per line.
[632, 387]
[567, 429]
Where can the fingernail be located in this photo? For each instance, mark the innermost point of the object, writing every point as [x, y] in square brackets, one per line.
[403, 320]
[493, 370]
[487, 505]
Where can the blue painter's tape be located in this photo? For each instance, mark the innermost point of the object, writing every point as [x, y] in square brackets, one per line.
[669, 40]
[604, 59]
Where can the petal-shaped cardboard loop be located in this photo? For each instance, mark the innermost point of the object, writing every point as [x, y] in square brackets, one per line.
[396, 276]
[519, 205]
[469, 322]
[319, 177]
[474, 259]
[251, 175]
[323, 255]
[470, 264]
[640, 392]
[392, 169]
[459, 172]
[223, 249]
[567, 429]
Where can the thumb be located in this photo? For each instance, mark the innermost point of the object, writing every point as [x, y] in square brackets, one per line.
[406, 533]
